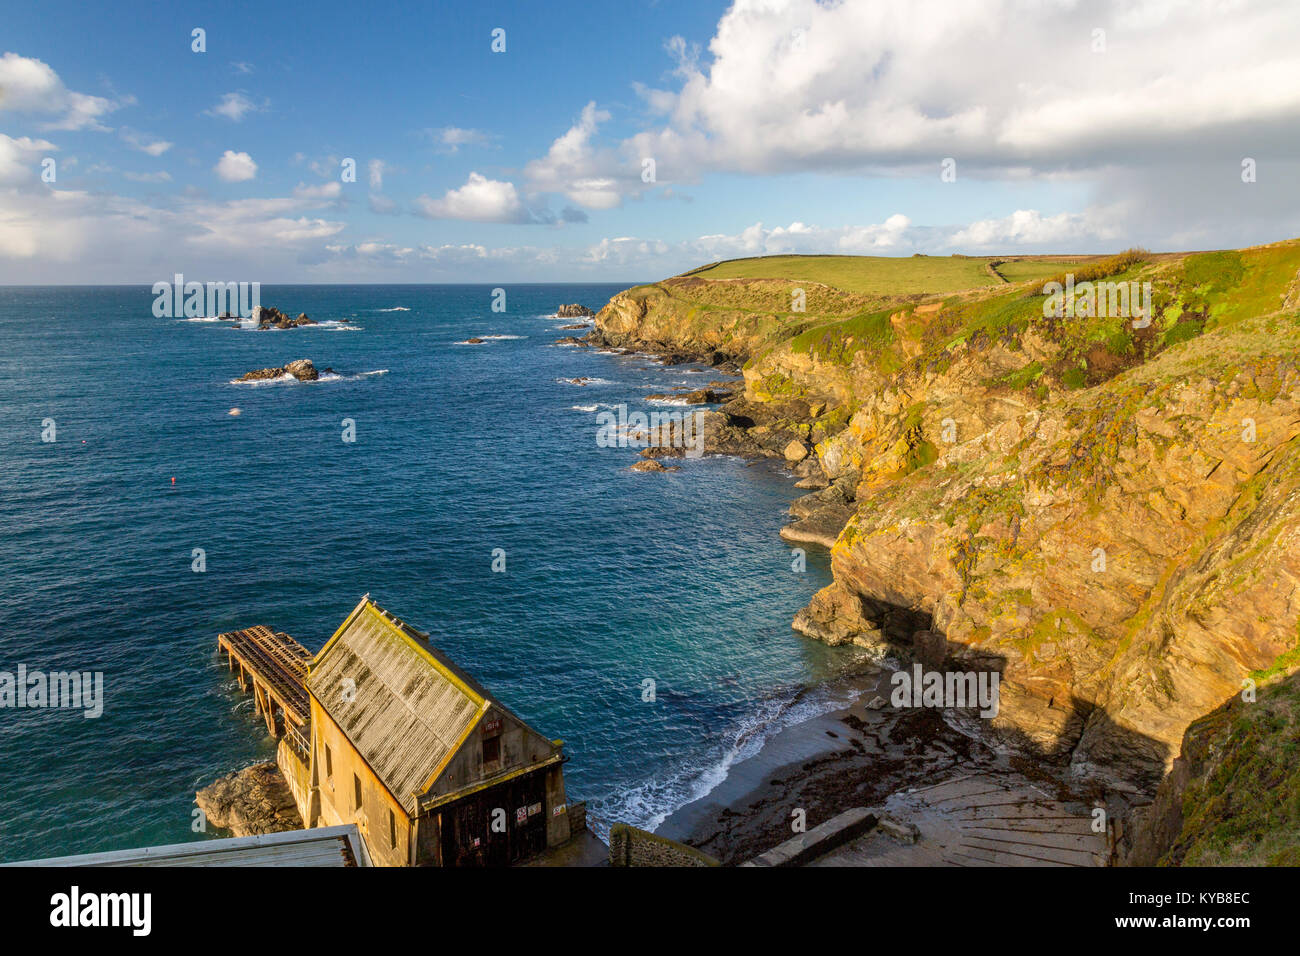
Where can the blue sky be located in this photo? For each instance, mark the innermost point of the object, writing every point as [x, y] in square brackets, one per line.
[773, 126]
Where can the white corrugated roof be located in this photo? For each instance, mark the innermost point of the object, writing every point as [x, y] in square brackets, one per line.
[324, 846]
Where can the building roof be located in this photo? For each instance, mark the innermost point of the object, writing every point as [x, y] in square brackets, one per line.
[324, 846]
[404, 707]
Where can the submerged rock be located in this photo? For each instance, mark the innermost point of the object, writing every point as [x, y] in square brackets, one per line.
[650, 464]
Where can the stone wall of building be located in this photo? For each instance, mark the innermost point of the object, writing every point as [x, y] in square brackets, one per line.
[630, 846]
[297, 775]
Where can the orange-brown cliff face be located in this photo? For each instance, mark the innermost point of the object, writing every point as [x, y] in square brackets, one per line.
[1103, 508]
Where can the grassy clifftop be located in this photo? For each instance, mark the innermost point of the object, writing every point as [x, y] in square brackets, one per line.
[890, 276]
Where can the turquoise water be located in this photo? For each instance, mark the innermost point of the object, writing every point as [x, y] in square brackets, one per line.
[612, 577]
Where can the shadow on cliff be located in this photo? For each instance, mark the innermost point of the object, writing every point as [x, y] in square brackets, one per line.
[1063, 737]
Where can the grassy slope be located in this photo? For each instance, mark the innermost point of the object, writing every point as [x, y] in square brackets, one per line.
[1242, 805]
[888, 275]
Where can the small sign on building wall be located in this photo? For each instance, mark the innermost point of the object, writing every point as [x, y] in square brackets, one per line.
[491, 726]
[559, 809]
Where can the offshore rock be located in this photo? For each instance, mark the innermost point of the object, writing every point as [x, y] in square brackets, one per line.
[268, 317]
[301, 369]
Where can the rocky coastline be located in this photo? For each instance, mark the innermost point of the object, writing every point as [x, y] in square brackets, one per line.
[1103, 515]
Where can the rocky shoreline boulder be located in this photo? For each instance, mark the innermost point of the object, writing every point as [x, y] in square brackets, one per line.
[573, 311]
[250, 801]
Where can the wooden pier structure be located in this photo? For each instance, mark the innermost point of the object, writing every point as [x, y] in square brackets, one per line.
[274, 665]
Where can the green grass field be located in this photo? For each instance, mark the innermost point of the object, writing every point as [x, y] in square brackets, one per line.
[887, 275]
[1018, 270]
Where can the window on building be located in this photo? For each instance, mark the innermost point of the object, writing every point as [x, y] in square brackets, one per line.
[356, 791]
[491, 749]
[329, 762]
[392, 830]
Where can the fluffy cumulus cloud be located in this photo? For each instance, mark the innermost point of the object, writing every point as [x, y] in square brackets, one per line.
[998, 83]
[590, 177]
[1006, 88]
[20, 158]
[479, 200]
[29, 85]
[1029, 227]
[235, 167]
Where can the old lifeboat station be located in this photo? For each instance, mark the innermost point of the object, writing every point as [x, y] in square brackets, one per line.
[382, 732]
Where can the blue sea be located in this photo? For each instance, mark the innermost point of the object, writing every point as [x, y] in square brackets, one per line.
[613, 578]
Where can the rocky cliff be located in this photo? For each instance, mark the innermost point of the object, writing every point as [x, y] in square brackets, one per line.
[1104, 508]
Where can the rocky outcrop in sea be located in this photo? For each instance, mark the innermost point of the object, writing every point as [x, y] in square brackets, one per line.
[250, 801]
[301, 369]
[268, 317]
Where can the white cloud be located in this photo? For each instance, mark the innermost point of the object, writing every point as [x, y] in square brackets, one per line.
[28, 85]
[376, 170]
[20, 158]
[450, 139]
[145, 144]
[1006, 87]
[64, 235]
[1029, 227]
[235, 167]
[233, 106]
[324, 191]
[479, 200]
[593, 178]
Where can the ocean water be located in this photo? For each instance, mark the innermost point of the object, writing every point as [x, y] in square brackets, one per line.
[612, 577]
